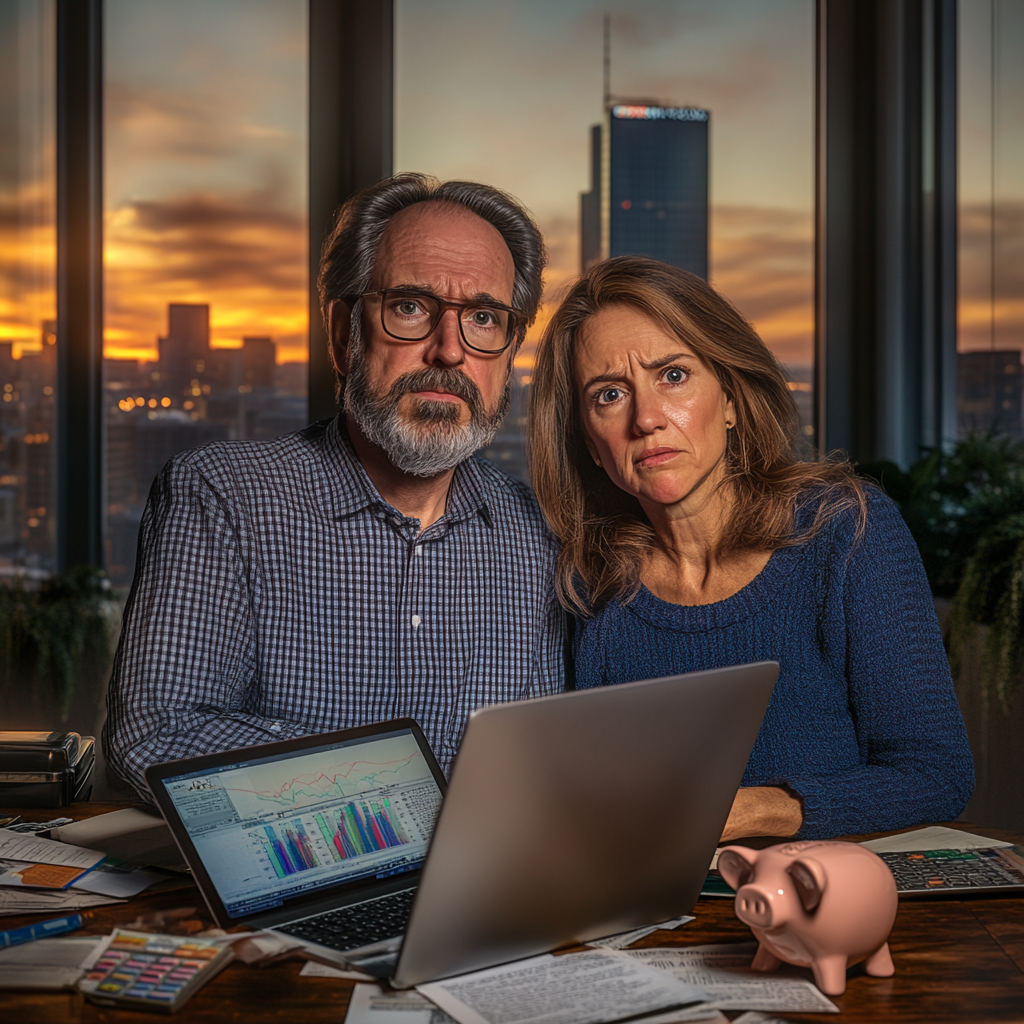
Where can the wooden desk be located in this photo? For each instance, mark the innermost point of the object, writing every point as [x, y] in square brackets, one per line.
[956, 960]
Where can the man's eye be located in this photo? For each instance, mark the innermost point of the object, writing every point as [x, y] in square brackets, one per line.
[675, 375]
[483, 317]
[608, 396]
[408, 307]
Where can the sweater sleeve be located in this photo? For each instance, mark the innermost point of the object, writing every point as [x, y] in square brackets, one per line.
[916, 764]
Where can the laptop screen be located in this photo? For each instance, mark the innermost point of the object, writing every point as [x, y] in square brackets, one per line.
[270, 830]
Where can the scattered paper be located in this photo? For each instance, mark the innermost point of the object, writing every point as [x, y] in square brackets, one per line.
[576, 988]
[936, 837]
[129, 835]
[15, 846]
[122, 884]
[723, 971]
[49, 901]
[701, 1012]
[40, 876]
[256, 947]
[753, 1017]
[46, 963]
[315, 969]
[624, 939]
[371, 1005]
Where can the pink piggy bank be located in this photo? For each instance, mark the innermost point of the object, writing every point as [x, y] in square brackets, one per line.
[823, 905]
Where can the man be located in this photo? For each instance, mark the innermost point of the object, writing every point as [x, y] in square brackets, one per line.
[368, 567]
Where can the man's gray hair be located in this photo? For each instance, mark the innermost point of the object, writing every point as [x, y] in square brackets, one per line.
[350, 250]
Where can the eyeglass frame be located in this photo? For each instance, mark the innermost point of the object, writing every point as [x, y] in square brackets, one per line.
[516, 317]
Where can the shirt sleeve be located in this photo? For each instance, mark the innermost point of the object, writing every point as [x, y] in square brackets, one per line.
[184, 680]
[916, 764]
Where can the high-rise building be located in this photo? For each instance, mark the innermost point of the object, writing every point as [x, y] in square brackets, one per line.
[258, 359]
[649, 187]
[186, 349]
[990, 392]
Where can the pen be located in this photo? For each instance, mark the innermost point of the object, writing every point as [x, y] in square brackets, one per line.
[57, 926]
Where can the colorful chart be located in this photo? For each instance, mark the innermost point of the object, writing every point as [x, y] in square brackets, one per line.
[361, 827]
[291, 853]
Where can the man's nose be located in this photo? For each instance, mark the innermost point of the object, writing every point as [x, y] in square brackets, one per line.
[444, 345]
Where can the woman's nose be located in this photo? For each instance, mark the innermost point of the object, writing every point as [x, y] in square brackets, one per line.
[648, 412]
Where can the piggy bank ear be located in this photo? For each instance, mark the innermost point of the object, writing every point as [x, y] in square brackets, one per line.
[736, 865]
[809, 880]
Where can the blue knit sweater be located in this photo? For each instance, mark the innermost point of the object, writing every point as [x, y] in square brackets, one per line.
[864, 723]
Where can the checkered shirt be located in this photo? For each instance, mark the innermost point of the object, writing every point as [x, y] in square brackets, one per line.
[278, 595]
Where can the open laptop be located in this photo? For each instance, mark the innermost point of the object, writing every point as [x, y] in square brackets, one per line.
[568, 818]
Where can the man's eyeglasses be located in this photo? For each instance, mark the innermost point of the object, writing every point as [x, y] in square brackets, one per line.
[409, 315]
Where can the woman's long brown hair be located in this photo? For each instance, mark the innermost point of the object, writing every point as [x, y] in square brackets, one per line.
[604, 533]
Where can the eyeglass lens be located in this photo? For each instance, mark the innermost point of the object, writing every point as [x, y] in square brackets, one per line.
[412, 317]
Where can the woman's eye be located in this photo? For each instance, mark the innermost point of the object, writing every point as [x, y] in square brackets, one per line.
[608, 396]
[675, 375]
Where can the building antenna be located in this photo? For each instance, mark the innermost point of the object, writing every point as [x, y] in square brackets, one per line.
[607, 60]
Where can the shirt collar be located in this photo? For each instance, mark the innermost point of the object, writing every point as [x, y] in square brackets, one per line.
[350, 489]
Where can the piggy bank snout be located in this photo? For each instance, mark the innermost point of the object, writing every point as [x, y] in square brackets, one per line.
[755, 906]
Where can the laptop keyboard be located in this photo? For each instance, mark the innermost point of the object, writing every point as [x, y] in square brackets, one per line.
[357, 925]
[950, 869]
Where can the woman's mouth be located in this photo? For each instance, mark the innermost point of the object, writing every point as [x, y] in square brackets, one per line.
[651, 457]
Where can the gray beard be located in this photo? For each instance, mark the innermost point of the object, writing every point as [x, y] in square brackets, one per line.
[432, 441]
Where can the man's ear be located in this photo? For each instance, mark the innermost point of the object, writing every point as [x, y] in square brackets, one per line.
[339, 323]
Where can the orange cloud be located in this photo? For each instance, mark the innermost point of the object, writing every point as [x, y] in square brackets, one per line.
[244, 254]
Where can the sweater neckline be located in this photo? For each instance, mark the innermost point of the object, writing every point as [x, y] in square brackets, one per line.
[693, 618]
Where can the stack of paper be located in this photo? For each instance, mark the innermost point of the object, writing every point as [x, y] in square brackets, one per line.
[41, 875]
[46, 963]
[662, 986]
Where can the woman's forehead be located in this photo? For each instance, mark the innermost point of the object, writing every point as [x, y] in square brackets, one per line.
[623, 338]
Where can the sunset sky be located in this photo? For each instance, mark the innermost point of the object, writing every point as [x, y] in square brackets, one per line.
[206, 151]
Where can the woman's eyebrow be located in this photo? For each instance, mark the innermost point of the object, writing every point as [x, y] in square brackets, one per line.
[656, 364]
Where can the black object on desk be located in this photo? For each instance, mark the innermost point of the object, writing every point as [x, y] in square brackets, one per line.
[45, 769]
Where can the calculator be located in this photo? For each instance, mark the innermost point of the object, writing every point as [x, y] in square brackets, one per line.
[151, 972]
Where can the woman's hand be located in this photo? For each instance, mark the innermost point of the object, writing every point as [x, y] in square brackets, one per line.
[763, 811]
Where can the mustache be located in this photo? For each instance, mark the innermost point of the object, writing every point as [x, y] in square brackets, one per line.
[437, 378]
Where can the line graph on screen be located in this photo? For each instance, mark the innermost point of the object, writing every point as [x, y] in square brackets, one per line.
[313, 778]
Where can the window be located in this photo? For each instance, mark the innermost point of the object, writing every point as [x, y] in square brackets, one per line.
[28, 352]
[523, 123]
[206, 333]
[990, 375]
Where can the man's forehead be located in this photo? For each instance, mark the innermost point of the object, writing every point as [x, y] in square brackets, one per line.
[430, 242]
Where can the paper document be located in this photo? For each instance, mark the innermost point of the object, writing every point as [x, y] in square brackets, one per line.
[753, 1017]
[371, 1005]
[128, 834]
[936, 837]
[315, 969]
[121, 884]
[49, 901]
[577, 988]
[39, 876]
[723, 971]
[624, 939]
[27, 847]
[46, 963]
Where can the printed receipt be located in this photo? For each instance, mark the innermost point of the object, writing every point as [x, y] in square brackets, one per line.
[724, 972]
[597, 986]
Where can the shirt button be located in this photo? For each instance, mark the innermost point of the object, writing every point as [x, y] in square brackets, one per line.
[380, 515]
[416, 620]
[419, 550]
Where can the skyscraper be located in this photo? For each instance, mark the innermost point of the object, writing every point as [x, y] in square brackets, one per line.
[649, 187]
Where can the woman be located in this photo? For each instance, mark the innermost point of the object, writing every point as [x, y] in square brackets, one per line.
[662, 445]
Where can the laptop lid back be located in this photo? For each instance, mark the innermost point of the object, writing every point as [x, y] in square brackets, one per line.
[573, 817]
[281, 831]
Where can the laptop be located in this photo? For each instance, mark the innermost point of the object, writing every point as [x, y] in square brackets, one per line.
[568, 818]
